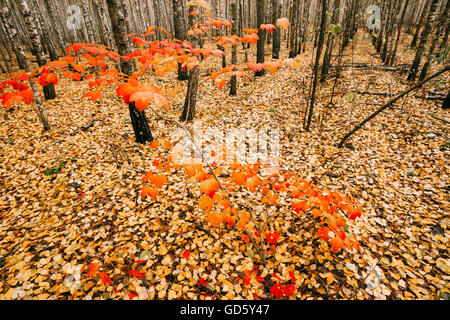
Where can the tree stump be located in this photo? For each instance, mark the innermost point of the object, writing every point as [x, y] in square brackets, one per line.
[140, 124]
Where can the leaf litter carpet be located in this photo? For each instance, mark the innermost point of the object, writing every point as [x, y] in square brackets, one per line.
[71, 197]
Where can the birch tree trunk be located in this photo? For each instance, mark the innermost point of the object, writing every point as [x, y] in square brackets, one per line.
[20, 54]
[49, 90]
[440, 20]
[423, 41]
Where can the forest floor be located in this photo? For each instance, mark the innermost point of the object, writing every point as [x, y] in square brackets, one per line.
[67, 199]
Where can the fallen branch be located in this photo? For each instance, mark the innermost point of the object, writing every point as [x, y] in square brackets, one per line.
[389, 103]
[437, 118]
[82, 128]
[369, 66]
[375, 93]
[124, 156]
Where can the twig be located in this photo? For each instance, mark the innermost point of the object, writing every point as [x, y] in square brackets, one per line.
[437, 118]
[389, 103]
[82, 128]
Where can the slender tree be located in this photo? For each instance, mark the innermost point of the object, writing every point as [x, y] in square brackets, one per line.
[233, 80]
[180, 31]
[49, 90]
[420, 23]
[119, 24]
[330, 40]
[20, 53]
[276, 8]
[310, 109]
[190, 100]
[260, 4]
[440, 20]
[423, 40]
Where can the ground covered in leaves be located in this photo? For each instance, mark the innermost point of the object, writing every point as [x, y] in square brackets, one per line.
[71, 196]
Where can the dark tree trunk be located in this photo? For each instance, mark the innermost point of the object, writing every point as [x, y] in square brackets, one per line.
[233, 81]
[261, 34]
[439, 21]
[224, 57]
[191, 96]
[180, 32]
[446, 104]
[277, 32]
[330, 40]
[140, 124]
[120, 29]
[393, 53]
[320, 40]
[293, 29]
[419, 24]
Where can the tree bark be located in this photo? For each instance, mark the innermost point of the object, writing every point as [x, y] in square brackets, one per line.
[180, 32]
[138, 119]
[423, 41]
[261, 34]
[191, 96]
[49, 90]
[330, 40]
[233, 81]
[19, 52]
[277, 32]
[419, 23]
[192, 87]
[320, 40]
[439, 21]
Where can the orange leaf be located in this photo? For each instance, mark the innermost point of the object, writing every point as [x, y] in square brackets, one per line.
[94, 94]
[209, 187]
[154, 144]
[149, 191]
[105, 279]
[323, 233]
[214, 218]
[93, 268]
[336, 244]
[206, 202]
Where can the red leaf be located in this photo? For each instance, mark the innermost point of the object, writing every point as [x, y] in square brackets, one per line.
[140, 261]
[132, 295]
[272, 237]
[94, 95]
[93, 268]
[136, 274]
[291, 275]
[289, 290]
[277, 290]
[105, 279]
[323, 233]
